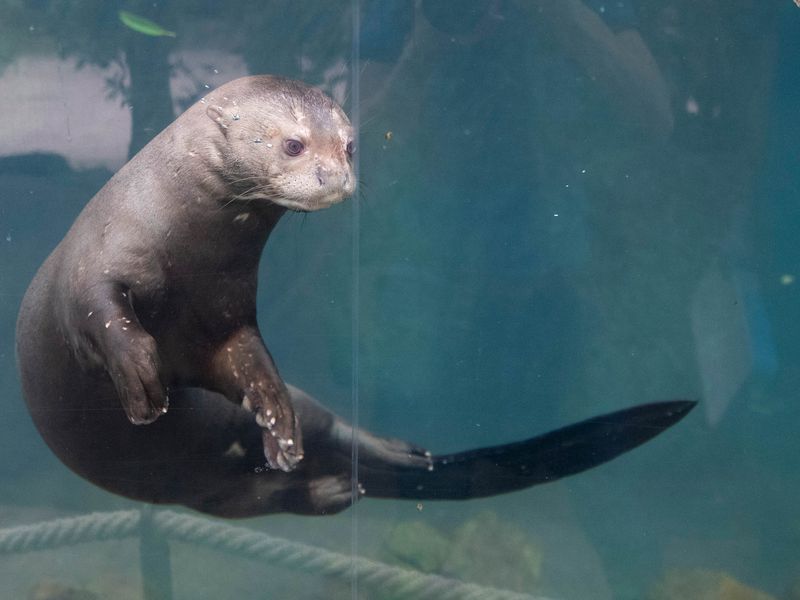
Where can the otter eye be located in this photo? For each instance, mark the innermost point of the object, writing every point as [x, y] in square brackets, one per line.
[350, 149]
[293, 147]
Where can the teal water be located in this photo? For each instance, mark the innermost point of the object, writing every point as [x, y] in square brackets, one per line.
[565, 209]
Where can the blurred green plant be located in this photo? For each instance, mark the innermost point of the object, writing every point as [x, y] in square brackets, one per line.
[142, 25]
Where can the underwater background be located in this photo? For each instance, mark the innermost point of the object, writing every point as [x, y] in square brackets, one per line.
[565, 208]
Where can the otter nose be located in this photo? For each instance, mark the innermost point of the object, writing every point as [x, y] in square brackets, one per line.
[322, 175]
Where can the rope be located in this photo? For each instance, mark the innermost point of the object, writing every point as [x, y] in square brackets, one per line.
[400, 582]
[251, 544]
[67, 532]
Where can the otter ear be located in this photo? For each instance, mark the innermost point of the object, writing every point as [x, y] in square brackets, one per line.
[219, 115]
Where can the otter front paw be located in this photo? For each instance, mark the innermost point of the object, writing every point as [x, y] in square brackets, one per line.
[283, 447]
[281, 452]
[135, 373]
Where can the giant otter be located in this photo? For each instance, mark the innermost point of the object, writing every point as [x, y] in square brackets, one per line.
[141, 359]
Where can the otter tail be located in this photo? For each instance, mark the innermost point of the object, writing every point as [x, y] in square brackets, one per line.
[548, 457]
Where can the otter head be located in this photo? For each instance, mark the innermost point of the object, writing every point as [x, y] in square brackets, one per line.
[284, 142]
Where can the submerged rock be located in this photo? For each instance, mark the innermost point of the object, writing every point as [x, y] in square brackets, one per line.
[418, 545]
[483, 550]
[702, 584]
[49, 590]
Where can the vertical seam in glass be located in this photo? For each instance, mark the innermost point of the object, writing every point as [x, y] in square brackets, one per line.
[355, 292]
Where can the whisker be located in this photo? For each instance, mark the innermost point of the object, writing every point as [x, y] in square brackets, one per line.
[242, 179]
[362, 127]
[246, 195]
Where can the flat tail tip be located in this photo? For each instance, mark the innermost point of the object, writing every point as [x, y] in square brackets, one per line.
[677, 409]
[662, 415]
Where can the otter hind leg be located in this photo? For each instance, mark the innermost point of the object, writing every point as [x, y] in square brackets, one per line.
[246, 495]
[234, 481]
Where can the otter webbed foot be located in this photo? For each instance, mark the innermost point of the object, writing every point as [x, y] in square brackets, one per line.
[332, 494]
